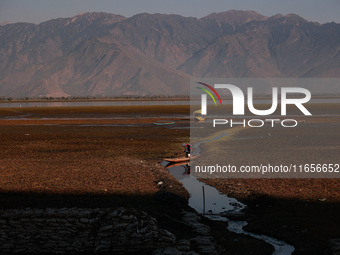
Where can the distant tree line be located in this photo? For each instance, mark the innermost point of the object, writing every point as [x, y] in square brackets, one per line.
[74, 98]
[131, 97]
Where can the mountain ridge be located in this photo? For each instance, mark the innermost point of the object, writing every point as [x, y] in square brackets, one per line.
[106, 54]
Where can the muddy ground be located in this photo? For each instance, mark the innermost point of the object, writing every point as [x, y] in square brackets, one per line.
[104, 157]
[303, 212]
[109, 157]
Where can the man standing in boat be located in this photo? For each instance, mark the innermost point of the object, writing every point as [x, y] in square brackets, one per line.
[187, 149]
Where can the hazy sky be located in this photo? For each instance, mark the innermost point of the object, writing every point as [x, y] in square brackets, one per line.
[37, 11]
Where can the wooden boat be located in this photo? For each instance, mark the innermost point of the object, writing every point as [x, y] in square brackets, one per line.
[181, 159]
[163, 123]
[172, 164]
[198, 116]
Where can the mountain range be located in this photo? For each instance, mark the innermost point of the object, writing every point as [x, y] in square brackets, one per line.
[102, 54]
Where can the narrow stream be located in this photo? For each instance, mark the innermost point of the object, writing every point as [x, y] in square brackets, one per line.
[217, 205]
[281, 248]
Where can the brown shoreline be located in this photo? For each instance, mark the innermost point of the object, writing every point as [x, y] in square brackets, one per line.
[71, 165]
[94, 100]
[125, 99]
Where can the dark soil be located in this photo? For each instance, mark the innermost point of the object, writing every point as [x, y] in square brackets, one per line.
[92, 157]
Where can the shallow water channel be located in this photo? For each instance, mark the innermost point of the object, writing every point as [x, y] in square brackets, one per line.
[214, 205]
[217, 206]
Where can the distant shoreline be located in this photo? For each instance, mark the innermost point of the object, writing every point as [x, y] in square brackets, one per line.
[92, 100]
[121, 99]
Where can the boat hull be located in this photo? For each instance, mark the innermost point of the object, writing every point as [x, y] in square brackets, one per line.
[182, 159]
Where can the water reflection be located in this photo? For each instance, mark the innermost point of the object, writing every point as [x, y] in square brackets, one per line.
[215, 202]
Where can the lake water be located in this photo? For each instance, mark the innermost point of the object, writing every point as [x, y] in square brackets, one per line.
[131, 102]
[92, 103]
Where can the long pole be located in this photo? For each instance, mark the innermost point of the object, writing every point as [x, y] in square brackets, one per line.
[203, 199]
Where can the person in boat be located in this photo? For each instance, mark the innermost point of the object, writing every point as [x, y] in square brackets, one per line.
[187, 149]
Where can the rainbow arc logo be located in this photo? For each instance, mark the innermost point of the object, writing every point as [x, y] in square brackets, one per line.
[209, 93]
